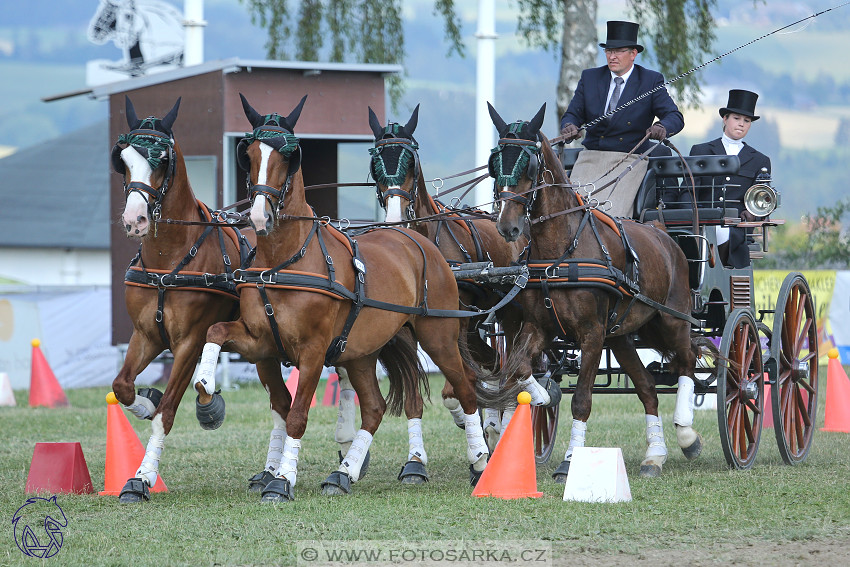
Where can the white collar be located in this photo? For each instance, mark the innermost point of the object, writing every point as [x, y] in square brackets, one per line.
[732, 147]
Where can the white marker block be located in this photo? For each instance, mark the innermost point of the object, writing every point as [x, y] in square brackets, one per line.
[705, 401]
[597, 475]
[7, 396]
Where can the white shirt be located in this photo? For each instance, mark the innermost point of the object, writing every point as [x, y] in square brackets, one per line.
[625, 76]
[733, 147]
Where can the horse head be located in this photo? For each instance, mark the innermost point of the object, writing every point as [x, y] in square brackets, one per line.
[271, 154]
[148, 155]
[395, 166]
[514, 165]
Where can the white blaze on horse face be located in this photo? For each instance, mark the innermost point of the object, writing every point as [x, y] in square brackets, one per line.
[258, 210]
[394, 207]
[135, 216]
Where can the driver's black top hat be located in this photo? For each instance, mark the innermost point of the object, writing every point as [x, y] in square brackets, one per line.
[622, 34]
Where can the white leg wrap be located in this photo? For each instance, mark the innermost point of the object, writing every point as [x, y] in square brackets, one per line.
[289, 460]
[453, 405]
[149, 469]
[539, 395]
[476, 447]
[577, 435]
[656, 448]
[276, 440]
[684, 413]
[506, 417]
[206, 368]
[415, 441]
[492, 419]
[353, 460]
[141, 407]
[345, 429]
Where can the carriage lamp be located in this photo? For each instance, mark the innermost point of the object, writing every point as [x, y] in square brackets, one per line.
[761, 199]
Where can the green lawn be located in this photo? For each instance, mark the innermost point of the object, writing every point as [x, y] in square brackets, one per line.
[208, 518]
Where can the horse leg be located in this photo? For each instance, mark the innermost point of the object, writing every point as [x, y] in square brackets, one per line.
[372, 406]
[268, 370]
[280, 488]
[656, 448]
[140, 353]
[345, 423]
[591, 353]
[438, 338]
[137, 488]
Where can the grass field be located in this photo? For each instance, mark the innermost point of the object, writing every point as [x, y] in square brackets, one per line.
[700, 511]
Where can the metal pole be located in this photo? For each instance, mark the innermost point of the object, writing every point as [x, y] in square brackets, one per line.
[485, 90]
[193, 23]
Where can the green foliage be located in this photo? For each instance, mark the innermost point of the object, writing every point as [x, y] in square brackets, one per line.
[819, 241]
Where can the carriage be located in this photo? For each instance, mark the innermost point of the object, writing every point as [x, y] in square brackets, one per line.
[754, 358]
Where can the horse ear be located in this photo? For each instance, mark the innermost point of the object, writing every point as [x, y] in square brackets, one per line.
[293, 116]
[132, 119]
[375, 124]
[500, 125]
[252, 115]
[411, 124]
[169, 119]
[536, 122]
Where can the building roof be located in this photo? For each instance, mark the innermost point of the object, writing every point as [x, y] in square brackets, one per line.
[230, 65]
[56, 194]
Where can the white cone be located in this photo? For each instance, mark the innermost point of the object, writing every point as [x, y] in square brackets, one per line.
[597, 475]
[7, 396]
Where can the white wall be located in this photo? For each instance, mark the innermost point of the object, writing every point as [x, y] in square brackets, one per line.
[55, 266]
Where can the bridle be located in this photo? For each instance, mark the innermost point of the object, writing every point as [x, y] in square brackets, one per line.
[527, 161]
[156, 147]
[281, 140]
[378, 168]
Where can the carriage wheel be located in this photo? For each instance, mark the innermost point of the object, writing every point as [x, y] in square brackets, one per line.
[794, 352]
[740, 390]
[544, 425]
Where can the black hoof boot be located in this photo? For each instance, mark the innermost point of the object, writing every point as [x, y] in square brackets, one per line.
[554, 390]
[560, 474]
[136, 490]
[694, 450]
[337, 484]
[259, 481]
[364, 467]
[413, 472]
[474, 475]
[278, 490]
[153, 395]
[211, 415]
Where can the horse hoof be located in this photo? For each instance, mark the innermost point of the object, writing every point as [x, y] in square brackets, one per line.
[337, 484]
[134, 491]
[650, 470]
[554, 391]
[278, 490]
[153, 395]
[364, 467]
[259, 481]
[413, 472]
[210, 415]
[560, 474]
[694, 450]
[474, 475]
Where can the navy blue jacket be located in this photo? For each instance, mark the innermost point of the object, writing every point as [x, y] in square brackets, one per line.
[622, 131]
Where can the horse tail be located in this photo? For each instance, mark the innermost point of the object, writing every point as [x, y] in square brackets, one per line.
[400, 360]
[703, 347]
[498, 388]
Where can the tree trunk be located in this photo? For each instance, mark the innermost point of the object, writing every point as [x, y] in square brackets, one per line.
[578, 49]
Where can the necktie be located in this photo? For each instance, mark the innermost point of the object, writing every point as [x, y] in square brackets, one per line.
[615, 96]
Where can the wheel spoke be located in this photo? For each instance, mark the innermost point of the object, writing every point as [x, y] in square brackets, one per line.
[803, 410]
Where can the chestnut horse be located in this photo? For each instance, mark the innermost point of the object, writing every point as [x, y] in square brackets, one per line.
[319, 298]
[178, 285]
[401, 190]
[599, 281]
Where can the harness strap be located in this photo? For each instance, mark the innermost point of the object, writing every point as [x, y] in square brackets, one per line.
[269, 309]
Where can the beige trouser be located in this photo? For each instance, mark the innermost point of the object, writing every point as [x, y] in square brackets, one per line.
[593, 164]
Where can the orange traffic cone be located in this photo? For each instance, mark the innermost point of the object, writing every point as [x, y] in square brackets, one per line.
[44, 388]
[292, 386]
[124, 451]
[837, 411]
[767, 420]
[59, 467]
[511, 472]
[7, 396]
[331, 396]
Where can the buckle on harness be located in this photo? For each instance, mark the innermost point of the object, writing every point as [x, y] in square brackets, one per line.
[521, 280]
[550, 275]
[547, 302]
[359, 266]
[207, 281]
[269, 310]
[237, 276]
[270, 276]
[158, 316]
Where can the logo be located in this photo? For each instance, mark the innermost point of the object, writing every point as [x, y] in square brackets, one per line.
[38, 527]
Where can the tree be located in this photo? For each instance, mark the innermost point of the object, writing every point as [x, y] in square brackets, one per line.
[820, 241]
[676, 33]
[365, 31]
